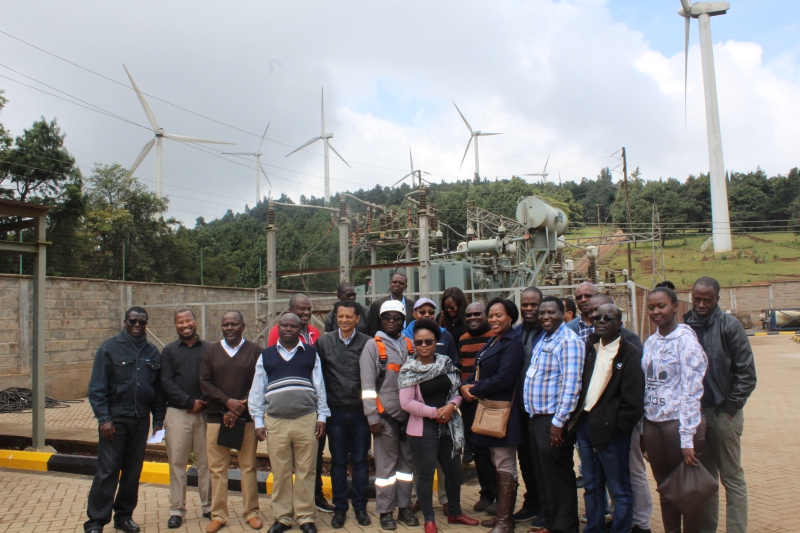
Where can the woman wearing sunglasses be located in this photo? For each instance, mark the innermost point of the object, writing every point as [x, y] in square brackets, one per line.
[497, 369]
[429, 393]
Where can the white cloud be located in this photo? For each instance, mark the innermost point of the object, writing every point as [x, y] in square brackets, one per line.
[560, 78]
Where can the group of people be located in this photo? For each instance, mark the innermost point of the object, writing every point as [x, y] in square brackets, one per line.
[414, 382]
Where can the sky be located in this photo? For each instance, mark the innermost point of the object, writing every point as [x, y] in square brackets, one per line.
[572, 80]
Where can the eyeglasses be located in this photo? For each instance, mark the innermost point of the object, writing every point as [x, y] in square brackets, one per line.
[424, 342]
[392, 318]
[135, 322]
[585, 296]
[472, 315]
[605, 318]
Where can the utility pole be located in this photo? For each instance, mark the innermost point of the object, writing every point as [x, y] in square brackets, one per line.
[344, 235]
[599, 222]
[627, 210]
[272, 263]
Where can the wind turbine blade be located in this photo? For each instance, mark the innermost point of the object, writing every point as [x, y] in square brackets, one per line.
[237, 153]
[150, 116]
[265, 174]
[142, 155]
[482, 134]
[534, 174]
[410, 159]
[687, 7]
[401, 179]
[463, 118]
[262, 139]
[337, 153]
[559, 177]
[686, 64]
[323, 112]
[315, 139]
[465, 152]
[544, 172]
[184, 138]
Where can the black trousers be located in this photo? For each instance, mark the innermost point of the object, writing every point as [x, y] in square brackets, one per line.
[531, 499]
[318, 483]
[428, 450]
[487, 474]
[119, 464]
[553, 469]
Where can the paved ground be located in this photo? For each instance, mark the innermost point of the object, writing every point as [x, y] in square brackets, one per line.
[32, 502]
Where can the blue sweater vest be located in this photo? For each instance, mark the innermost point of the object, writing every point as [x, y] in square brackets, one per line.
[290, 389]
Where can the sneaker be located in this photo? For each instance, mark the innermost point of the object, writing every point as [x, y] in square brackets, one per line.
[524, 514]
[482, 505]
[467, 458]
[538, 523]
[322, 505]
[584, 519]
[407, 517]
[579, 482]
[637, 529]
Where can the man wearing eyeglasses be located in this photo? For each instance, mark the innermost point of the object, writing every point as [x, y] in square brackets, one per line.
[582, 325]
[125, 388]
[380, 365]
[609, 408]
[397, 286]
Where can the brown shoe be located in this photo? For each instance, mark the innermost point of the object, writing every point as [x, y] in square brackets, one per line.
[489, 522]
[214, 526]
[255, 522]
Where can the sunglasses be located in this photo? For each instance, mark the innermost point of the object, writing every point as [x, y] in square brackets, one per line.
[135, 322]
[585, 297]
[605, 318]
[473, 315]
[450, 308]
[424, 342]
[392, 318]
[425, 312]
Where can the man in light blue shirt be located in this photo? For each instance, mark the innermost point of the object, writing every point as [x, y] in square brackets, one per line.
[287, 402]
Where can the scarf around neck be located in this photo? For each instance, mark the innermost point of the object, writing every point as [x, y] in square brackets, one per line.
[138, 342]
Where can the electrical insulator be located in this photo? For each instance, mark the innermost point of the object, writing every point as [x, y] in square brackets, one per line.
[559, 262]
[270, 214]
[439, 245]
[433, 220]
[342, 207]
[423, 199]
[501, 231]
[593, 269]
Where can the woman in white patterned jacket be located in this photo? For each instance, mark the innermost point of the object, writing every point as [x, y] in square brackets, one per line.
[674, 364]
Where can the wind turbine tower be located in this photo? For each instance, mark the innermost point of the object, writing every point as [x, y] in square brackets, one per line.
[325, 137]
[720, 218]
[415, 173]
[159, 136]
[259, 169]
[473, 134]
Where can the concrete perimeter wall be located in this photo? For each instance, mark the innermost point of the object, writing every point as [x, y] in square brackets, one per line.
[82, 313]
[753, 298]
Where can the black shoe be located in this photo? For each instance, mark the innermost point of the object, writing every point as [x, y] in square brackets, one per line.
[94, 531]
[363, 519]
[339, 518]
[308, 527]
[387, 522]
[408, 517]
[207, 515]
[467, 458]
[323, 505]
[492, 509]
[579, 482]
[637, 529]
[538, 522]
[279, 527]
[175, 521]
[482, 505]
[524, 514]
[127, 525]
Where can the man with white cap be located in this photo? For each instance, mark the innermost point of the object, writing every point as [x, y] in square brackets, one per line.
[380, 364]
[446, 345]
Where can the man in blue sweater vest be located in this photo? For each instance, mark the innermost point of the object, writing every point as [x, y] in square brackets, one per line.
[288, 388]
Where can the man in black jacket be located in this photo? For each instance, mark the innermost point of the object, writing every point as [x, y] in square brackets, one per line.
[397, 286]
[348, 429]
[124, 389]
[609, 407]
[185, 421]
[729, 381]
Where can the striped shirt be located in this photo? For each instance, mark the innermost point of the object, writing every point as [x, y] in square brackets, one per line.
[553, 380]
[468, 347]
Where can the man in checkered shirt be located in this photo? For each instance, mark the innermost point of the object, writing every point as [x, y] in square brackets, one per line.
[552, 385]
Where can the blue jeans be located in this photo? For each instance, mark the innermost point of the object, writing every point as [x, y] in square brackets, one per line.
[348, 438]
[606, 468]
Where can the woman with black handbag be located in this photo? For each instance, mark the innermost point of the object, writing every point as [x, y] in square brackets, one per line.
[674, 365]
[497, 420]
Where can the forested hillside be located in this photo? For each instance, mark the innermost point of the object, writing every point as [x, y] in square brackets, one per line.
[105, 222]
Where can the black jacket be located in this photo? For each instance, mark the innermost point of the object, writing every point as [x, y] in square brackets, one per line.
[361, 327]
[621, 405]
[731, 372]
[126, 381]
[341, 370]
[374, 319]
[180, 373]
[500, 367]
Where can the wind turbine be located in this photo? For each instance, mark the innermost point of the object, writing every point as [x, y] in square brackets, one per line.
[544, 172]
[259, 169]
[472, 135]
[158, 138]
[414, 173]
[325, 137]
[720, 218]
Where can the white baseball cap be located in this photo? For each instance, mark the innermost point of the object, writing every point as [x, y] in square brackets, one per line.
[393, 305]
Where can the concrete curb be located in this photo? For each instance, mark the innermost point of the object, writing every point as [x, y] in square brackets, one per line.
[767, 333]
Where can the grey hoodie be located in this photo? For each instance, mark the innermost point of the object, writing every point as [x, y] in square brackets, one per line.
[389, 395]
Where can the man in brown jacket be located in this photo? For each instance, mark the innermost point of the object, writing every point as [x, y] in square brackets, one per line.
[226, 374]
